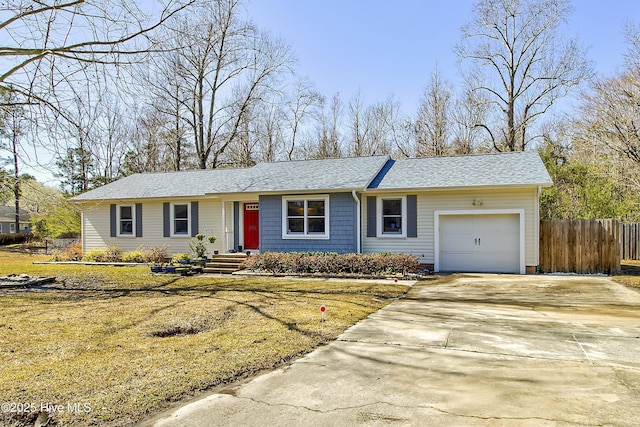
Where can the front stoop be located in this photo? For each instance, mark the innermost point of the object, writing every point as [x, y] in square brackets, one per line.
[225, 263]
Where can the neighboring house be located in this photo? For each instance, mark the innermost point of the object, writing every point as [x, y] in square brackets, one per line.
[8, 221]
[467, 213]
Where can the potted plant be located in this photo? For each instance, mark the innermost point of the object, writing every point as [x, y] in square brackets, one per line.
[197, 246]
[212, 240]
[183, 270]
[181, 258]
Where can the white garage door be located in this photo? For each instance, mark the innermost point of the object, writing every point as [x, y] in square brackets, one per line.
[480, 243]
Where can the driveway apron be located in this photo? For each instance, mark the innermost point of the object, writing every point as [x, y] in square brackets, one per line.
[472, 350]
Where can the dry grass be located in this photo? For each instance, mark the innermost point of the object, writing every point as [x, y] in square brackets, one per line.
[124, 343]
[630, 275]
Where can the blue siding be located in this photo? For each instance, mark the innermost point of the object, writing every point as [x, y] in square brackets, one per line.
[342, 227]
[5, 228]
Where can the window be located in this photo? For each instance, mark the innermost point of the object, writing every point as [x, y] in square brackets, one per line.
[305, 217]
[392, 222]
[125, 221]
[12, 227]
[392, 216]
[180, 219]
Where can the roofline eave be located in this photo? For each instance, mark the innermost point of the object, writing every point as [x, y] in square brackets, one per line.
[460, 188]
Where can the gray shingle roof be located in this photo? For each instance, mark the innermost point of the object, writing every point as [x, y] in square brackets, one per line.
[317, 175]
[508, 169]
[505, 169]
[304, 175]
[166, 185]
[8, 214]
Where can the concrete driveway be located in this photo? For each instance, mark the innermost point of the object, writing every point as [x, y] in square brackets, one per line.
[477, 350]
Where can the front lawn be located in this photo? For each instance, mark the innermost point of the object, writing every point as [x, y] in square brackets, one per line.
[629, 274]
[111, 345]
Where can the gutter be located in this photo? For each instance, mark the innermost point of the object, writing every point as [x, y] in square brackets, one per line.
[358, 220]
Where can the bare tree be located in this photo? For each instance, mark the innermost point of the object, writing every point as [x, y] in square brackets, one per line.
[305, 106]
[468, 112]
[94, 137]
[433, 121]
[150, 146]
[228, 66]
[386, 127]
[12, 120]
[270, 132]
[525, 63]
[162, 117]
[359, 125]
[328, 144]
[632, 35]
[51, 54]
[610, 117]
[47, 42]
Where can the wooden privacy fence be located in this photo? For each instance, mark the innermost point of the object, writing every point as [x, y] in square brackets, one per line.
[630, 241]
[580, 246]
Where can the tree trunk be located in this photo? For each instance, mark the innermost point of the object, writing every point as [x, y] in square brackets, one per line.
[16, 175]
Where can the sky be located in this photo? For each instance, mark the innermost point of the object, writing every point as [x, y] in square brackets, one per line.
[378, 47]
[381, 48]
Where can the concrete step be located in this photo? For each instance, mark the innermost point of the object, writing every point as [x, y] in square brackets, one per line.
[218, 270]
[225, 263]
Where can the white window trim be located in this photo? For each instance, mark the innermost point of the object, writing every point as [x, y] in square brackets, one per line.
[306, 198]
[173, 222]
[12, 228]
[133, 221]
[380, 226]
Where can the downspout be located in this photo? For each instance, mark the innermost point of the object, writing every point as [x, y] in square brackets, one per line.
[358, 220]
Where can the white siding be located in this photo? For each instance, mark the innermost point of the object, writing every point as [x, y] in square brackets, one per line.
[428, 202]
[96, 227]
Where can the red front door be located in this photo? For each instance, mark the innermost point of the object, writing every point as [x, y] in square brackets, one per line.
[251, 228]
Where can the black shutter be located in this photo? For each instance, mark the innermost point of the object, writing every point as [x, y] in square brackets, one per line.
[371, 216]
[194, 219]
[112, 220]
[412, 216]
[138, 219]
[236, 225]
[166, 219]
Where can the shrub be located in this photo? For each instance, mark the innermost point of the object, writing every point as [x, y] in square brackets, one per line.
[73, 252]
[133, 256]
[12, 239]
[96, 255]
[156, 254]
[68, 235]
[180, 257]
[113, 254]
[333, 263]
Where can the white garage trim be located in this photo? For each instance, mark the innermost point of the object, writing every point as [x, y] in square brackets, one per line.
[437, 214]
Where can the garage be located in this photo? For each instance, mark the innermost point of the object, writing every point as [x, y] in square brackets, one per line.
[483, 243]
